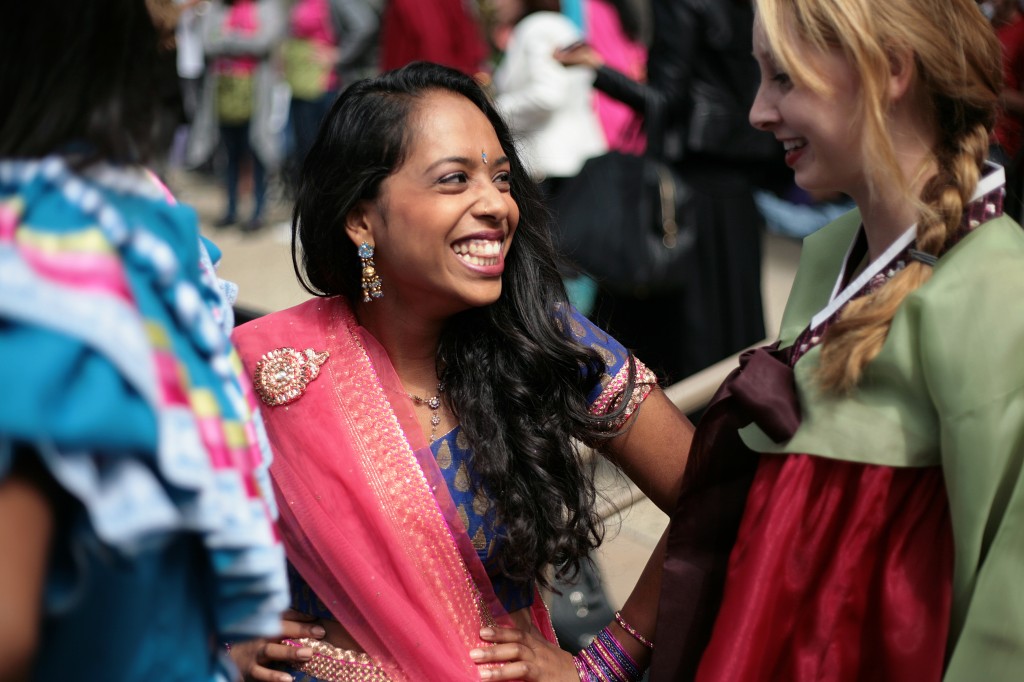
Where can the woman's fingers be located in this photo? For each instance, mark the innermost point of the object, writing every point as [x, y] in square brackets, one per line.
[499, 634]
[519, 655]
[250, 656]
[285, 653]
[274, 652]
[253, 657]
[578, 54]
[510, 644]
[520, 670]
[500, 653]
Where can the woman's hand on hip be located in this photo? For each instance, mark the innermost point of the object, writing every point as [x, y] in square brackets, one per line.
[522, 655]
[253, 657]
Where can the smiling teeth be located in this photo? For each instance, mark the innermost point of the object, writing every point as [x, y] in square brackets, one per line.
[790, 145]
[479, 251]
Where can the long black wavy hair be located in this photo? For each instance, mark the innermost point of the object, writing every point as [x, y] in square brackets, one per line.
[79, 73]
[512, 377]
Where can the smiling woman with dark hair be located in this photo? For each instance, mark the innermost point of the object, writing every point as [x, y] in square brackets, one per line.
[423, 408]
[134, 538]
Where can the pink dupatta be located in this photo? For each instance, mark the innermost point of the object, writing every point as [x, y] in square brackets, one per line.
[366, 516]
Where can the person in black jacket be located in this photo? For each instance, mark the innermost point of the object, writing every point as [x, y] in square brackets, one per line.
[701, 80]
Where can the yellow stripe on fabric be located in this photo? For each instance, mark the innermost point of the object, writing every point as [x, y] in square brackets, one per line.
[236, 363]
[157, 335]
[234, 434]
[14, 204]
[87, 240]
[204, 403]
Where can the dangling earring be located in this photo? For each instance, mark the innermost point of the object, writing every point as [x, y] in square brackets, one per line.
[371, 280]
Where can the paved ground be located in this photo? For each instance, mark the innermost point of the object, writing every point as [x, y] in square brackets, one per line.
[260, 264]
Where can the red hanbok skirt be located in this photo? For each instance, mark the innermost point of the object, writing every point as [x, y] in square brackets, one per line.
[840, 572]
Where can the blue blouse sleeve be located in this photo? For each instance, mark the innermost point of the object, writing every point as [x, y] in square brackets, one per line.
[613, 354]
[612, 371]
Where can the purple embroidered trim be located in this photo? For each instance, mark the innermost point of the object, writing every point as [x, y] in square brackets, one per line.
[977, 213]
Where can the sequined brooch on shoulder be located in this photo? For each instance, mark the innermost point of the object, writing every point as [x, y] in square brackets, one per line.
[281, 375]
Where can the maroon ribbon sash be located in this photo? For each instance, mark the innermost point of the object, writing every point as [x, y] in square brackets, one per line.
[710, 507]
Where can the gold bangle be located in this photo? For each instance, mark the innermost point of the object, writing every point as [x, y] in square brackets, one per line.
[632, 631]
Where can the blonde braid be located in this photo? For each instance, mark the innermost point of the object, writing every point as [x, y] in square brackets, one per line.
[857, 337]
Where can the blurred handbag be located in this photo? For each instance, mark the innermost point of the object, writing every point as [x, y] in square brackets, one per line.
[629, 221]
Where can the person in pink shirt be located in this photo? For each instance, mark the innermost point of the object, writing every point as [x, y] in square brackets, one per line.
[309, 52]
[612, 28]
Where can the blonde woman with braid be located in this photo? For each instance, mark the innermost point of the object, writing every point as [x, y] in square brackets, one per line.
[853, 507]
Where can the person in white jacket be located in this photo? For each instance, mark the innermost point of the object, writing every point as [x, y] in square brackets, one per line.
[549, 107]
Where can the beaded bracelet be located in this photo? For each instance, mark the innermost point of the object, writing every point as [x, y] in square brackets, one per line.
[604, 660]
[633, 631]
[581, 669]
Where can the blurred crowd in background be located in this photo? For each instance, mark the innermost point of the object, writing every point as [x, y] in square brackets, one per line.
[136, 438]
[248, 82]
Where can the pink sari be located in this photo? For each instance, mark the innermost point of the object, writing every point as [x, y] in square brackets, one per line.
[366, 516]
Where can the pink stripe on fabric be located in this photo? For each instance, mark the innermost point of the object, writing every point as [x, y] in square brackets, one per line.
[9, 217]
[235, 455]
[212, 433]
[172, 392]
[163, 188]
[247, 455]
[98, 272]
[255, 457]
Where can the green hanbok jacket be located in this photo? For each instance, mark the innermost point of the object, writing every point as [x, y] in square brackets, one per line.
[947, 389]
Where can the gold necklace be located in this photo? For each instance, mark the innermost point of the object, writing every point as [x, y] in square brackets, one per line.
[434, 403]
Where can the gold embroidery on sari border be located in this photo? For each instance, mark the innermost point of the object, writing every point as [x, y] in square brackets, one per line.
[334, 664]
[401, 487]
